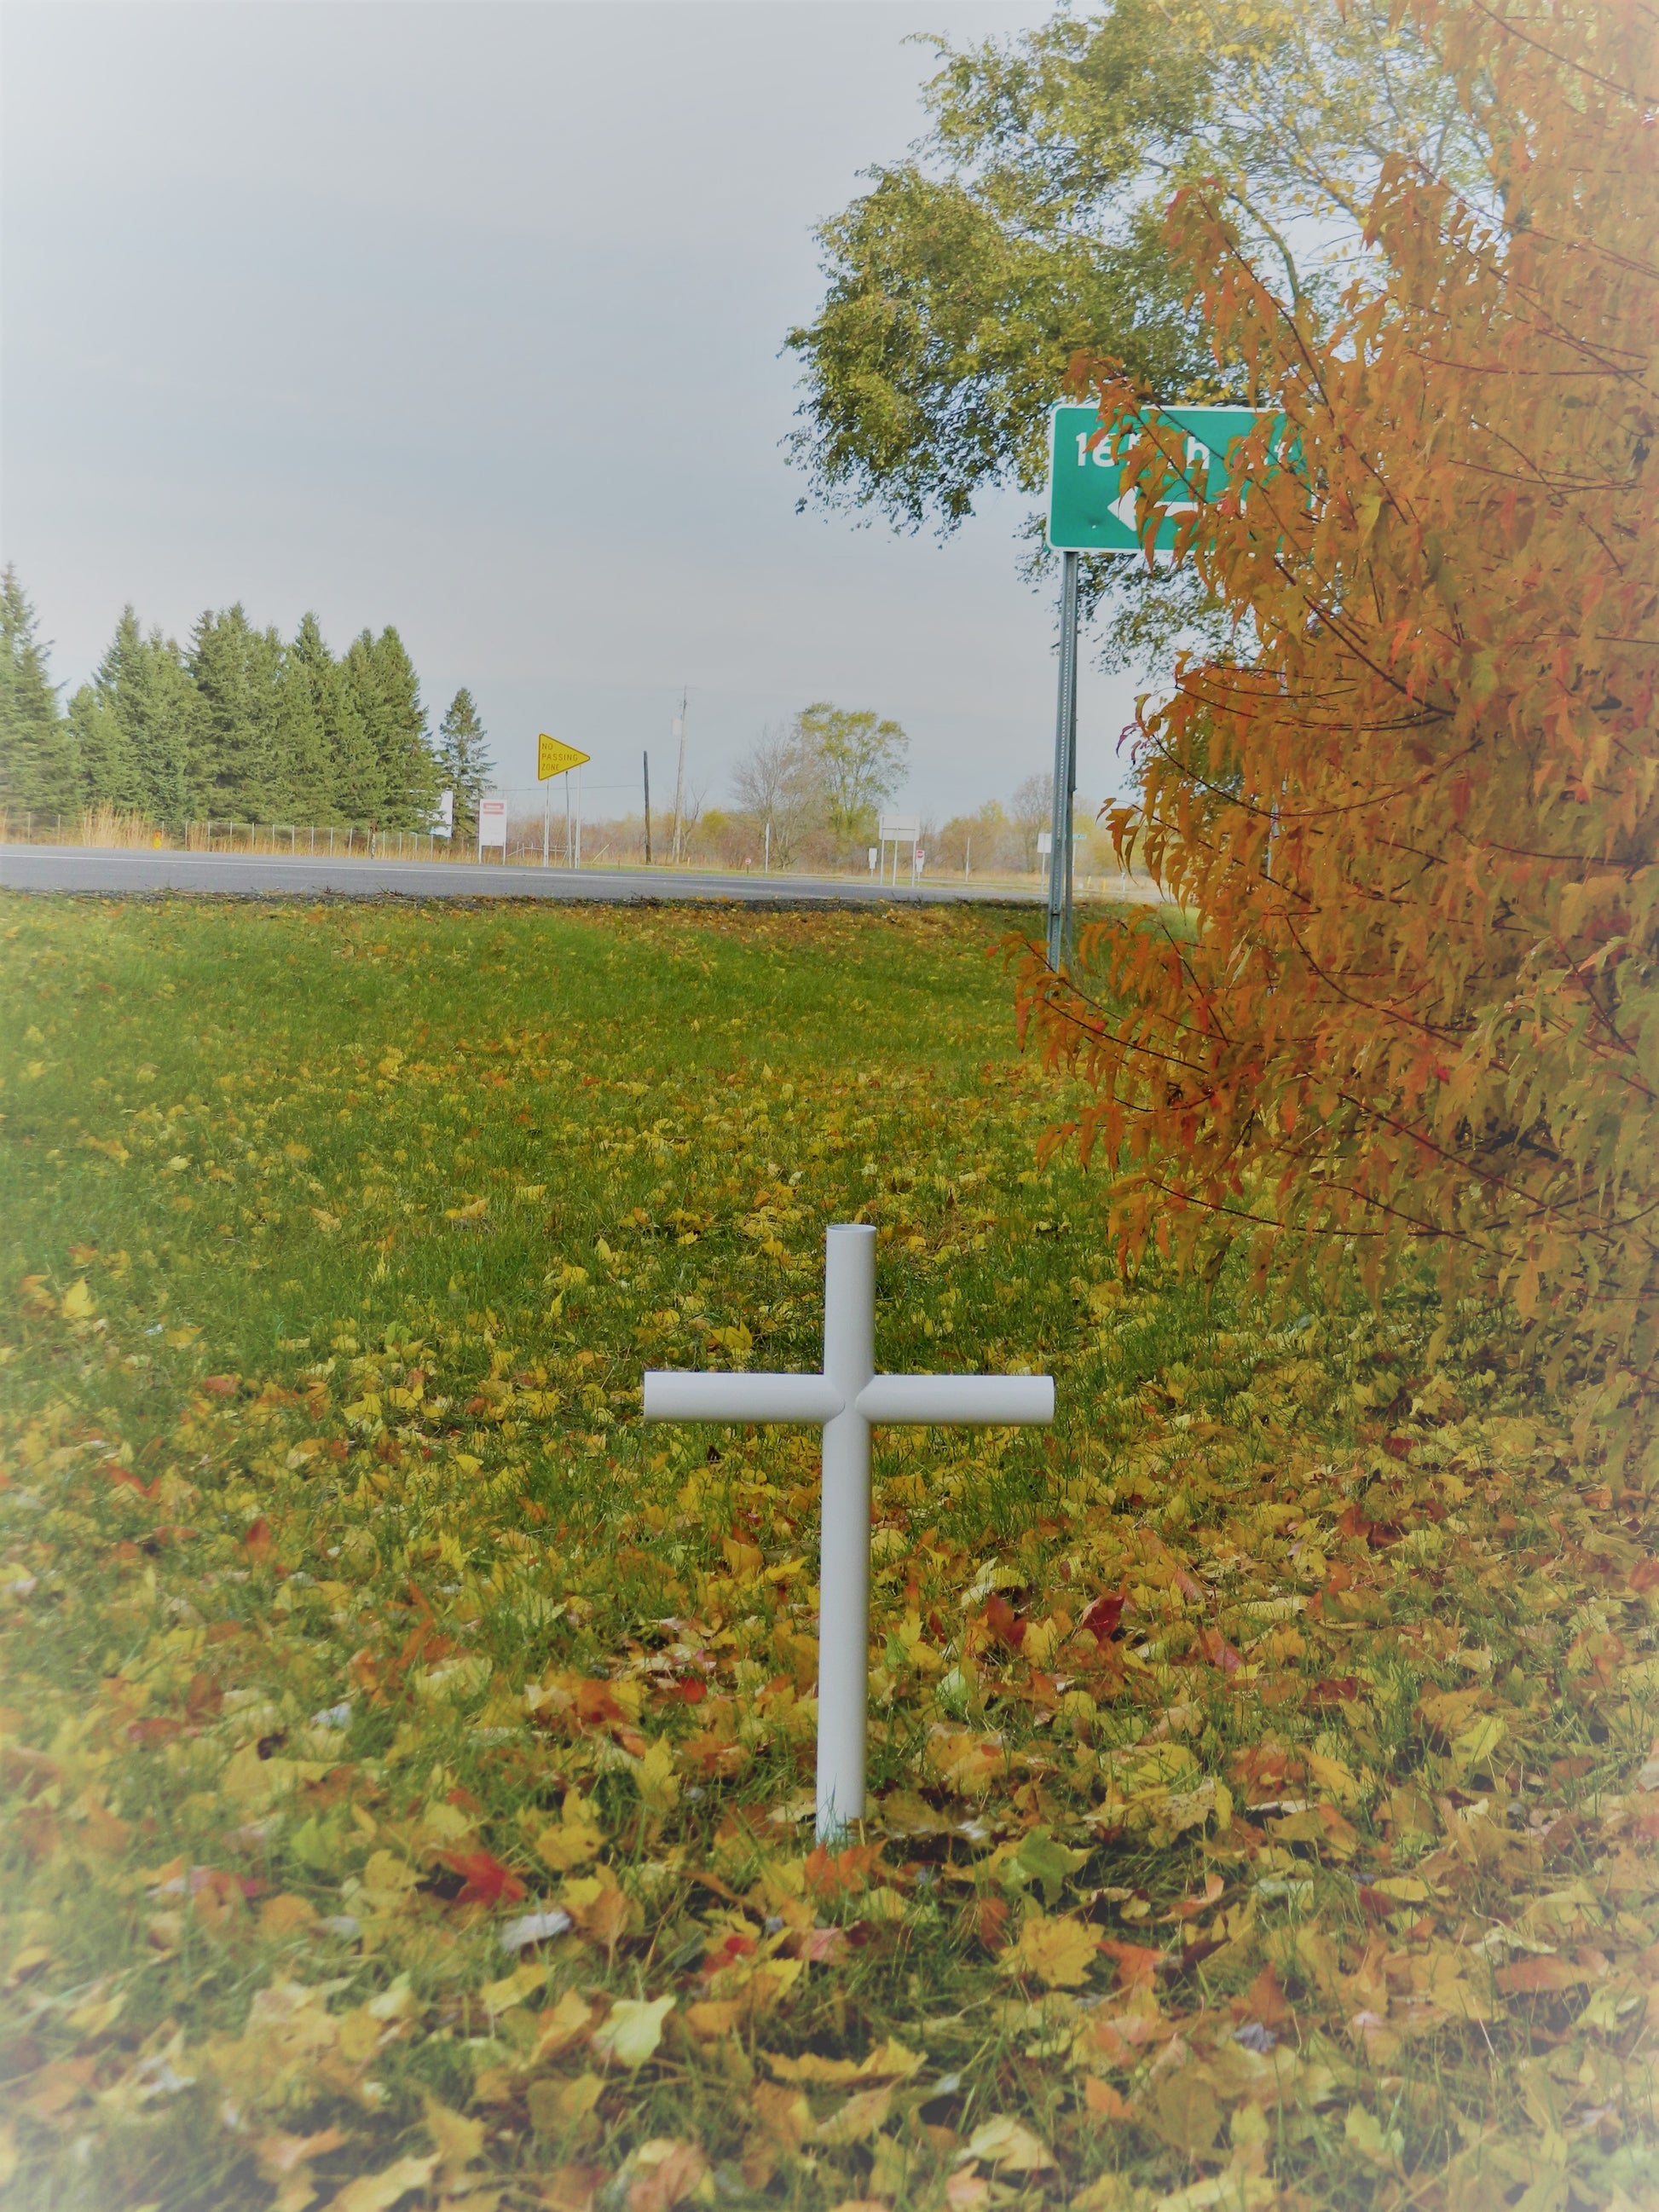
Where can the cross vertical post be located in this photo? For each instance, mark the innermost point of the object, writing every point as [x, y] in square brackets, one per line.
[846, 1399]
[849, 1362]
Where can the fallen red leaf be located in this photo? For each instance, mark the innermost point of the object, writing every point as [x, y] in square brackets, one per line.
[157, 1730]
[485, 1880]
[833, 1873]
[1104, 2101]
[986, 1921]
[821, 1946]
[1217, 1650]
[596, 1704]
[1264, 2001]
[1135, 1962]
[1334, 1689]
[1102, 1617]
[1004, 1623]
[1529, 1976]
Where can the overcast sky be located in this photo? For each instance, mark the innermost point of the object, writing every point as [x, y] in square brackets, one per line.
[467, 318]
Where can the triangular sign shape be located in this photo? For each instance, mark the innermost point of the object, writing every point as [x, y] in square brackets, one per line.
[554, 757]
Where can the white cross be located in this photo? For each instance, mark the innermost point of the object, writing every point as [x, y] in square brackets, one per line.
[846, 1399]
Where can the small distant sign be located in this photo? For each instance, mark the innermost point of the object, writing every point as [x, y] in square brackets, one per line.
[443, 822]
[554, 757]
[492, 823]
[899, 829]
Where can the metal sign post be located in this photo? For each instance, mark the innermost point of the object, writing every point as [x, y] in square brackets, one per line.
[896, 829]
[1059, 849]
[555, 757]
[845, 1400]
[1090, 512]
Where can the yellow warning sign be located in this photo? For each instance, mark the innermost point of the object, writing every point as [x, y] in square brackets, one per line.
[554, 757]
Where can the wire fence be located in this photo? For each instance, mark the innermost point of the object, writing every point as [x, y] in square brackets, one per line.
[536, 833]
[124, 830]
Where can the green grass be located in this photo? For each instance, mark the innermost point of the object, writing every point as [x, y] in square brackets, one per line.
[340, 1237]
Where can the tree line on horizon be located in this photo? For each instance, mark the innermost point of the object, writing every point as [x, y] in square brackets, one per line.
[242, 725]
[239, 724]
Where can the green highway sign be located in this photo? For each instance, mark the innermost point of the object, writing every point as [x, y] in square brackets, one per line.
[1089, 510]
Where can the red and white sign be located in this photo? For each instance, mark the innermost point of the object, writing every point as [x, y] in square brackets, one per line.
[492, 823]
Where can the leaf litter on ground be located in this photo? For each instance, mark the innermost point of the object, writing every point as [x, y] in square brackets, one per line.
[408, 1757]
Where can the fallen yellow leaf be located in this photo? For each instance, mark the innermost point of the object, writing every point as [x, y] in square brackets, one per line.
[632, 2030]
[557, 2106]
[379, 2192]
[1058, 1951]
[1003, 2143]
[858, 2118]
[459, 2140]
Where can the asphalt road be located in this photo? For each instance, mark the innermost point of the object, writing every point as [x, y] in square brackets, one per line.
[93, 868]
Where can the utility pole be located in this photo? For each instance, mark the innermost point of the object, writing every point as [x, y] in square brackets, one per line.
[647, 810]
[677, 730]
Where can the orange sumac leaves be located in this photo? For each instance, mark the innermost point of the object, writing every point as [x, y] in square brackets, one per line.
[1412, 994]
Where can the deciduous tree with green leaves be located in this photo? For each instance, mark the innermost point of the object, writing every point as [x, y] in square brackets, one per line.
[861, 760]
[1023, 233]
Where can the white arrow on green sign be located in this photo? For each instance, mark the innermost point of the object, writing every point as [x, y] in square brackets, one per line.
[1089, 509]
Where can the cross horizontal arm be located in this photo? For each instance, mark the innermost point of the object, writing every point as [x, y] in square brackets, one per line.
[958, 1400]
[672, 1396]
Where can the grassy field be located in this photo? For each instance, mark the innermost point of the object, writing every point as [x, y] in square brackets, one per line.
[1264, 1758]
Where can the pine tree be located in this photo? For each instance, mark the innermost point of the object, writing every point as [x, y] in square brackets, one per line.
[235, 669]
[161, 712]
[308, 685]
[388, 695]
[464, 763]
[38, 770]
[100, 715]
[359, 787]
[106, 771]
